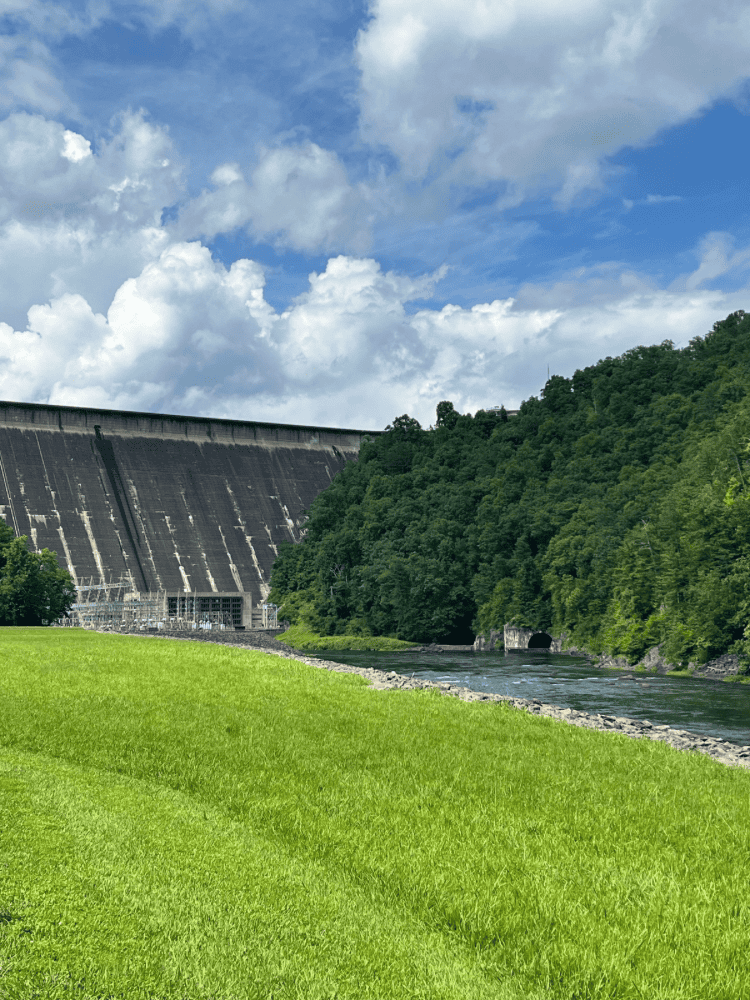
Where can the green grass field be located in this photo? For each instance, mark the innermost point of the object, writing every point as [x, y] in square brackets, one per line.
[299, 637]
[184, 821]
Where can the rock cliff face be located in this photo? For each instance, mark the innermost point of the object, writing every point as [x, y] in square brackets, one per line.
[169, 503]
[723, 666]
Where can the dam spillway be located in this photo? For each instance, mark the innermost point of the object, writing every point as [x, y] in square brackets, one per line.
[172, 504]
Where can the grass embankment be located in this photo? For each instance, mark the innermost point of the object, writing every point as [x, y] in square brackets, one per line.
[298, 637]
[192, 821]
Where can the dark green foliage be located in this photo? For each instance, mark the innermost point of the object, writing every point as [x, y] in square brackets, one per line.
[33, 588]
[614, 509]
[447, 415]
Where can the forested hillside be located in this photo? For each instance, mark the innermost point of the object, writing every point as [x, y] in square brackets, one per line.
[616, 508]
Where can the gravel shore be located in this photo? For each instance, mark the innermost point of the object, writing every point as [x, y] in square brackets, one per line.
[680, 739]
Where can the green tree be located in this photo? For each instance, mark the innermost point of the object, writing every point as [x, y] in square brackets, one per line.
[447, 415]
[33, 588]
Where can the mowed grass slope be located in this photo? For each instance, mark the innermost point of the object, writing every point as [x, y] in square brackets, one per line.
[189, 821]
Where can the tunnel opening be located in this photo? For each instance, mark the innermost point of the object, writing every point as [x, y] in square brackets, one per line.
[541, 640]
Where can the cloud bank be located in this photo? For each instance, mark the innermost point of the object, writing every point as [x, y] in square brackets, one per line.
[189, 335]
[110, 295]
[119, 311]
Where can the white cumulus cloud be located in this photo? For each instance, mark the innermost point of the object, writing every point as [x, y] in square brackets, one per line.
[162, 327]
[540, 92]
[297, 196]
[76, 221]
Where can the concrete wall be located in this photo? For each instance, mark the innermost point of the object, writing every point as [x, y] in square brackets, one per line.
[519, 638]
[173, 503]
[483, 643]
[513, 638]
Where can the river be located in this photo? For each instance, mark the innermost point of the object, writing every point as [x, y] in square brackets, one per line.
[710, 708]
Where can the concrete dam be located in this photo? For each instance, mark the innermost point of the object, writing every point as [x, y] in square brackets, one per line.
[193, 509]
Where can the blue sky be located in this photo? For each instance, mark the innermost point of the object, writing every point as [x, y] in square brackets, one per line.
[335, 213]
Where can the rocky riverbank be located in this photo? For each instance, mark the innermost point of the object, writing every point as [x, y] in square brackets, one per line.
[727, 665]
[680, 739]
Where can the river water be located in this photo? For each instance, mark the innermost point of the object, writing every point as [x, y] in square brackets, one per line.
[711, 708]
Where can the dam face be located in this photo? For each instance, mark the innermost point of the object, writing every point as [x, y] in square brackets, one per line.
[178, 505]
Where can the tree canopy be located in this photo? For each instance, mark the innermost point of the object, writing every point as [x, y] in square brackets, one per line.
[614, 508]
[33, 588]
